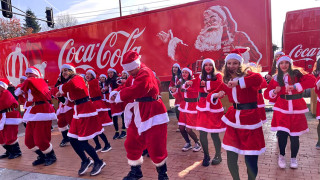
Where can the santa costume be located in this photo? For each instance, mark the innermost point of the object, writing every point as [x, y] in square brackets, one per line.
[209, 114]
[289, 110]
[317, 91]
[146, 118]
[10, 118]
[38, 116]
[85, 124]
[175, 83]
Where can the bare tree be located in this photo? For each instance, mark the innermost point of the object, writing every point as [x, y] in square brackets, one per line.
[61, 21]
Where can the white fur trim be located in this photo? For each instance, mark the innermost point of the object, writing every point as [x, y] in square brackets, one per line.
[242, 83]
[211, 130]
[92, 72]
[118, 98]
[208, 109]
[103, 75]
[39, 116]
[160, 163]
[18, 92]
[318, 83]
[239, 126]
[78, 116]
[181, 124]
[103, 109]
[318, 99]
[264, 121]
[272, 95]
[4, 85]
[212, 97]
[34, 148]
[60, 89]
[133, 65]
[135, 162]
[279, 53]
[32, 71]
[116, 114]
[63, 128]
[13, 121]
[176, 65]
[23, 77]
[153, 121]
[279, 128]
[191, 127]
[107, 124]
[187, 111]
[234, 56]
[172, 47]
[208, 85]
[302, 111]
[86, 137]
[207, 61]
[187, 69]
[298, 87]
[111, 94]
[261, 105]
[111, 69]
[271, 103]
[243, 152]
[318, 117]
[67, 66]
[284, 58]
[48, 150]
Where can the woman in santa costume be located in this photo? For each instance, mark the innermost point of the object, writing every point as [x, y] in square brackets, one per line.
[209, 114]
[39, 117]
[146, 118]
[289, 110]
[175, 83]
[188, 112]
[9, 121]
[22, 98]
[104, 90]
[102, 109]
[85, 124]
[244, 128]
[316, 73]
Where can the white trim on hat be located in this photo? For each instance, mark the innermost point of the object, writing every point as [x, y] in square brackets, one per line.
[208, 60]
[187, 69]
[279, 53]
[23, 77]
[33, 71]
[4, 85]
[103, 75]
[68, 66]
[233, 56]
[133, 65]
[284, 58]
[126, 73]
[113, 70]
[92, 72]
[176, 65]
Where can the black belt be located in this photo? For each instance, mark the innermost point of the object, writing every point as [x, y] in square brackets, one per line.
[96, 98]
[260, 91]
[178, 86]
[41, 102]
[183, 90]
[80, 101]
[203, 94]
[291, 97]
[245, 106]
[191, 99]
[6, 110]
[146, 99]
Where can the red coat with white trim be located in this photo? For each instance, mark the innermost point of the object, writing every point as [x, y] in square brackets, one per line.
[317, 91]
[146, 114]
[94, 91]
[261, 105]
[190, 92]
[245, 92]
[8, 101]
[38, 91]
[177, 96]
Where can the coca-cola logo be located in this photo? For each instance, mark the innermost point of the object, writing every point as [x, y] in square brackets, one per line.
[307, 54]
[101, 53]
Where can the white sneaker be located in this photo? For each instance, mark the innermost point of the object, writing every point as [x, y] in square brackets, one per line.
[282, 162]
[294, 163]
[186, 147]
[196, 148]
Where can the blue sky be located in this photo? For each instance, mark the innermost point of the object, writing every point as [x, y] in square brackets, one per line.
[93, 10]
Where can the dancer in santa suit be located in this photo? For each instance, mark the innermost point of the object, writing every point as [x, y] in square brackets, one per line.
[209, 114]
[22, 98]
[188, 111]
[289, 110]
[102, 109]
[244, 128]
[9, 121]
[175, 83]
[85, 124]
[104, 90]
[316, 73]
[146, 118]
[39, 117]
[274, 66]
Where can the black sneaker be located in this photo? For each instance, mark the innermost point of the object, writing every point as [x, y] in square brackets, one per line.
[116, 135]
[206, 161]
[64, 142]
[122, 135]
[98, 148]
[97, 166]
[106, 148]
[84, 166]
[216, 160]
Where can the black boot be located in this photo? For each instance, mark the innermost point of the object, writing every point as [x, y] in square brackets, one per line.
[7, 153]
[206, 160]
[134, 174]
[50, 158]
[65, 139]
[162, 172]
[40, 158]
[15, 151]
[217, 159]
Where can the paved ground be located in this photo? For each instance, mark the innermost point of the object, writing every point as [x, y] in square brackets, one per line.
[181, 165]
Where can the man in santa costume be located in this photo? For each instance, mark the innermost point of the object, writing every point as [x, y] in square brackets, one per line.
[9, 121]
[146, 118]
[38, 116]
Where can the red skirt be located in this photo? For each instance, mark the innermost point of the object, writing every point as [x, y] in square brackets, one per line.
[188, 120]
[64, 119]
[117, 109]
[9, 134]
[104, 118]
[262, 114]
[318, 110]
[210, 122]
[85, 128]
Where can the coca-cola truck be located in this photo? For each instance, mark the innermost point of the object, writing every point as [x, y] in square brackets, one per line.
[181, 34]
[301, 37]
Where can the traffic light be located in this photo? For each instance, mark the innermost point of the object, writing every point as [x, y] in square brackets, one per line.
[49, 15]
[6, 8]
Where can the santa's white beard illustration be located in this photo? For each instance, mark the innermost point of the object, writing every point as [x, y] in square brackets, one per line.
[209, 39]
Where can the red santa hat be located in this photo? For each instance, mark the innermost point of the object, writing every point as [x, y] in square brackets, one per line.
[126, 73]
[187, 69]
[176, 65]
[131, 60]
[112, 70]
[93, 72]
[4, 83]
[236, 54]
[103, 75]
[279, 53]
[33, 70]
[68, 66]
[284, 58]
[23, 77]
[207, 60]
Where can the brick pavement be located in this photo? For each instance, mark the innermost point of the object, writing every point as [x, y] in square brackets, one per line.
[181, 165]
